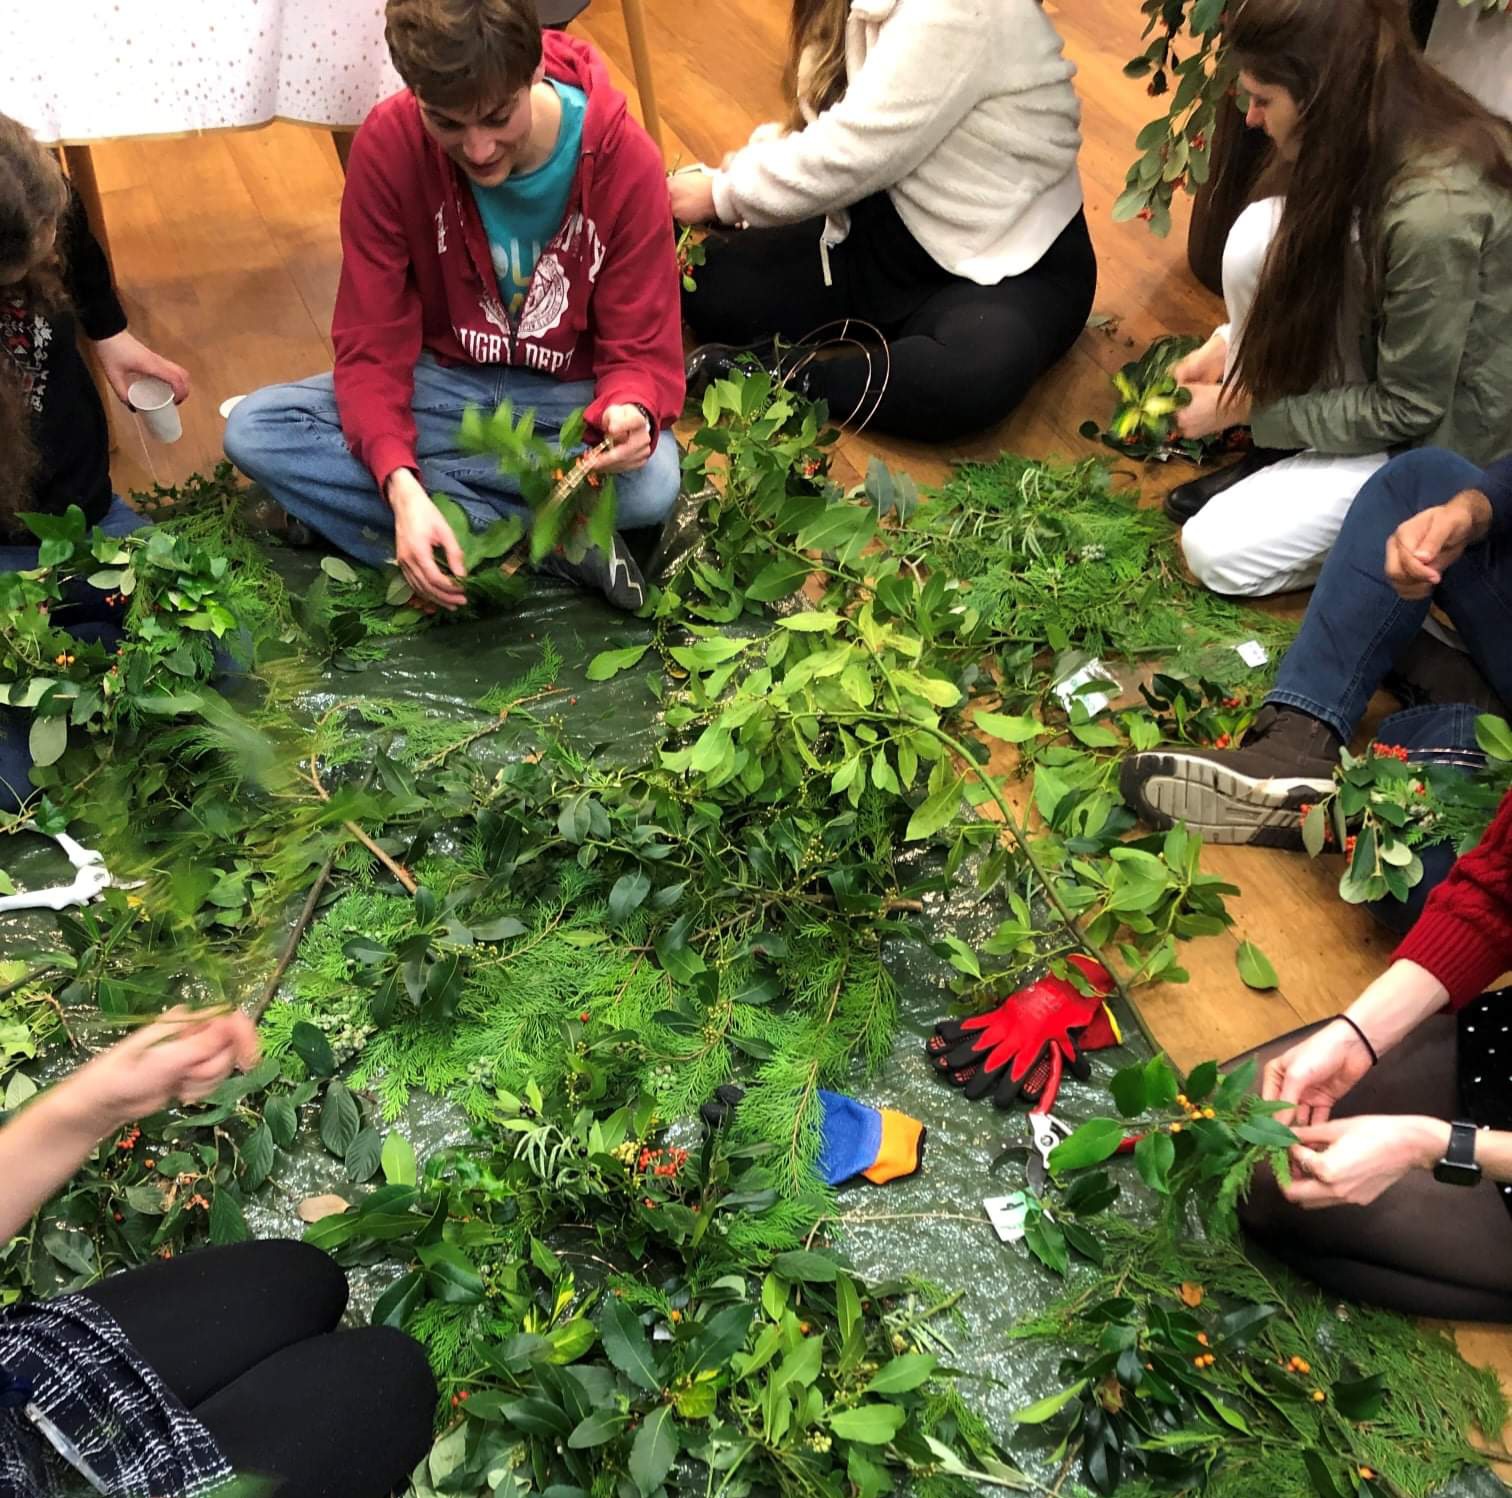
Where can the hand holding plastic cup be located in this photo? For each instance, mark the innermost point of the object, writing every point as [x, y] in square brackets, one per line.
[152, 400]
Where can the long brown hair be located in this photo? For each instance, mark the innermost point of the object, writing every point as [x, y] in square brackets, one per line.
[1370, 110]
[33, 197]
[819, 29]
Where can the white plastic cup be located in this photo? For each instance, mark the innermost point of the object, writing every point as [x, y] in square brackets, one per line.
[152, 400]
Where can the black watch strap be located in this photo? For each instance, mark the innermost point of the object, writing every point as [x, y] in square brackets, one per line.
[1458, 1166]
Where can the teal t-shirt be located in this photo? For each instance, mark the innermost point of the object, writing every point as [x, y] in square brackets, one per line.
[523, 213]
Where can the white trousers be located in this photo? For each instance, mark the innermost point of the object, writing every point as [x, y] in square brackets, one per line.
[1271, 531]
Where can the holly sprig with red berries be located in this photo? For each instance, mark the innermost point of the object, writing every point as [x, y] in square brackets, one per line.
[1386, 806]
[1184, 63]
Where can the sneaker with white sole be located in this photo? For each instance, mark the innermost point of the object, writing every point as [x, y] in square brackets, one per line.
[1250, 795]
[614, 573]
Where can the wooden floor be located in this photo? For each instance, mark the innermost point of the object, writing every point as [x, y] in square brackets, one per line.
[226, 249]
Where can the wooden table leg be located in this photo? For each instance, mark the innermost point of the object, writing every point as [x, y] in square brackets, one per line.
[640, 57]
[81, 173]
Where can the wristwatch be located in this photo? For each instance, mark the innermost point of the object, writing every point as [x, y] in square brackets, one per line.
[1458, 1167]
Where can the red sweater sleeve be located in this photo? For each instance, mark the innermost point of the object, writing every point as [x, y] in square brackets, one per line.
[636, 311]
[377, 324]
[1464, 935]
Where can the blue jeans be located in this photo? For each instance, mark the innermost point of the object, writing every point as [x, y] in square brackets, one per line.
[288, 438]
[83, 613]
[1357, 627]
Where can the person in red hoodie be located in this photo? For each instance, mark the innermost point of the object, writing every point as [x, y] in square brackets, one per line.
[1401, 1102]
[505, 235]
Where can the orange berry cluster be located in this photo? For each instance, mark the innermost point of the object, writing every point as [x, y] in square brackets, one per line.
[1193, 1111]
[63, 660]
[661, 1162]
[460, 1398]
[128, 1140]
[1298, 1365]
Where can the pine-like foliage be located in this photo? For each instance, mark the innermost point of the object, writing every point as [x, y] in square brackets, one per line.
[1055, 555]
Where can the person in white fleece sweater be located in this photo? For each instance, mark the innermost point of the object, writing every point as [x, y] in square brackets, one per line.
[919, 217]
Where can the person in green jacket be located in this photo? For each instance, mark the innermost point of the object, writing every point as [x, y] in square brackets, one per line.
[1369, 299]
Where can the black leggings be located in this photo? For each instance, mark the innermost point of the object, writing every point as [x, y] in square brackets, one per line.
[1420, 1247]
[245, 1337]
[962, 355]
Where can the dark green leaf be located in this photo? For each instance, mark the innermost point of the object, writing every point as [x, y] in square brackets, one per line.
[626, 1347]
[1129, 1091]
[720, 1338]
[629, 891]
[394, 1306]
[1153, 1157]
[450, 1274]
[227, 1224]
[339, 1119]
[1046, 1242]
[903, 1374]
[654, 1450]
[597, 1427]
[1263, 1129]
[803, 1266]
[313, 1049]
[282, 1119]
[1091, 1144]
[257, 1154]
[1361, 1398]
[363, 1155]
[1201, 1080]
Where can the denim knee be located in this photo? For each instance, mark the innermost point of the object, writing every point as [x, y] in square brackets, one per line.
[1417, 480]
[649, 495]
[258, 437]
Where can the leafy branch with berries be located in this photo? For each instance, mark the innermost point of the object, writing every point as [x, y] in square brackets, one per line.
[1386, 806]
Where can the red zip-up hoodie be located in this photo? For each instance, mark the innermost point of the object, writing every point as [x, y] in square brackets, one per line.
[416, 272]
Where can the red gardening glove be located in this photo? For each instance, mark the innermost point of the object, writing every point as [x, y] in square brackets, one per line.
[1020, 1050]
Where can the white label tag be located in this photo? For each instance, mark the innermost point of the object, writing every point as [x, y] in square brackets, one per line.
[1007, 1214]
[1094, 702]
[1252, 653]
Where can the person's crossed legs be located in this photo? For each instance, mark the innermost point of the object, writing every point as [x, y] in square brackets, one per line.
[1357, 627]
[288, 438]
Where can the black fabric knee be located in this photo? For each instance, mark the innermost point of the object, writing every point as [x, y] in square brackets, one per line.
[346, 1415]
[203, 1319]
[1420, 1247]
[762, 283]
[968, 354]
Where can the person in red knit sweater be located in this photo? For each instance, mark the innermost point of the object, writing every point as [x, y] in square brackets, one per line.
[1399, 1105]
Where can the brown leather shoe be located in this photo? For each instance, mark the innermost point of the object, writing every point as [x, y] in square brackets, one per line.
[1247, 795]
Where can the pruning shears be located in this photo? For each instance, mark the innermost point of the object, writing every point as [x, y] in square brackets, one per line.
[91, 879]
[1045, 1132]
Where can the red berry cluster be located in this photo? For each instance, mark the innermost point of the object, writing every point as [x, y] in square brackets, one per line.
[1389, 751]
[128, 1140]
